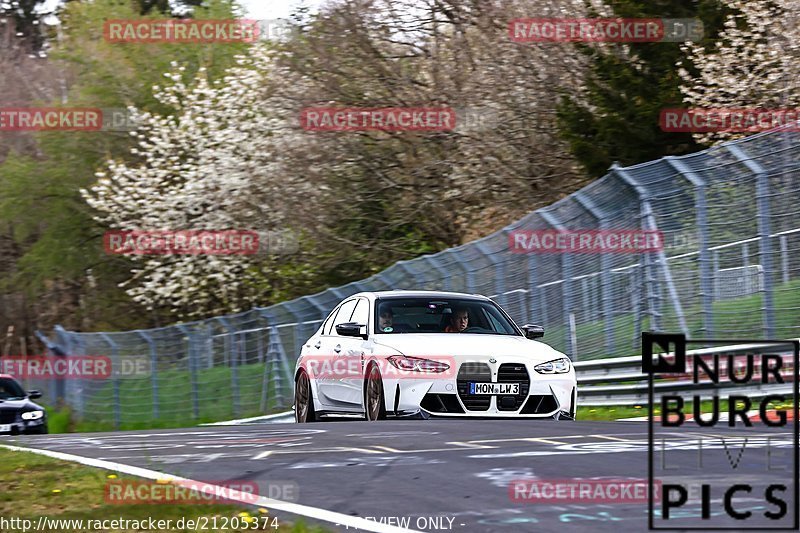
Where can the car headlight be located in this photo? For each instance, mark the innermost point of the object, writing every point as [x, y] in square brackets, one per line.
[32, 415]
[556, 366]
[417, 364]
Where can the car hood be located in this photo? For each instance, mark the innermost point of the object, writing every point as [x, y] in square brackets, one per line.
[19, 405]
[468, 345]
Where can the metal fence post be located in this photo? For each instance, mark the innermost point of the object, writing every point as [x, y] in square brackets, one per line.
[530, 316]
[605, 270]
[706, 276]
[153, 369]
[765, 246]
[410, 276]
[784, 258]
[543, 304]
[445, 276]
[263, 358]
[74, 397]
[56, 386]
[115, 378]
[499, 275]
[649, 221]
[260, 348]
[276, 347]
[468, 276]
[566, 286]
[297, 340]
[635, 297]
[193, 363]
[653, 307]
[748, 287]
[229, 332]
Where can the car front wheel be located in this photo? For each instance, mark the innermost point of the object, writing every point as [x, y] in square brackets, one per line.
[373, 395]
[303, 400]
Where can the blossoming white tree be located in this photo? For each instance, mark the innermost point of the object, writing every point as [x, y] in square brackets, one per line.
[753, 64]
[217, 163]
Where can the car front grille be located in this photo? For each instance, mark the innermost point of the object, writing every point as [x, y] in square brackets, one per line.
[513, 373]
[478, 372]
[7, 416]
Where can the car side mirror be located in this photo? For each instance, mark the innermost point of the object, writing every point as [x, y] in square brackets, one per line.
[33, 394]
[532, 331]
[352, 329]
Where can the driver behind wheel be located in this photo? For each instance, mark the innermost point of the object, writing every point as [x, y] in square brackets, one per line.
[386, 323]
[385, 319]
[458, 321]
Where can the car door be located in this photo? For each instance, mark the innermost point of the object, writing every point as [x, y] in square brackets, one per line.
[332, 346]
[313, 347]
[350, 388]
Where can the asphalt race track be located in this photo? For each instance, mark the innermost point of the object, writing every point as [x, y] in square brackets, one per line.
[446, 475]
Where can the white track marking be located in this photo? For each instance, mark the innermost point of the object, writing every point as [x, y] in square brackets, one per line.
[608, 437]
[285, 417]
[470, 445]
[278, 505]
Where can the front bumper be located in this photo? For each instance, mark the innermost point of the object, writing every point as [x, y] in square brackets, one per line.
[540, 395]
[26, 427]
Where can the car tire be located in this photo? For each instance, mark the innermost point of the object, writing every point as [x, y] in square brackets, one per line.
[374, 405]
[303, 400]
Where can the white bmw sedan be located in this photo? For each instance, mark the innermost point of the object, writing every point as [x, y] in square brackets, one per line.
[425, 353]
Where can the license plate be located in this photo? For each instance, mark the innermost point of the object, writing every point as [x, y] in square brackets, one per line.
[493, 389]
[5, 428]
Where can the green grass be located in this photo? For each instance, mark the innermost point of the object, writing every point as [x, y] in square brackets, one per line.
[36, 486]
[610, 413]
[215, 401]
[736, 318]
[615, 412]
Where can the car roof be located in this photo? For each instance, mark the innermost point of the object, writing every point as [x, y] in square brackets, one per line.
[422, 294]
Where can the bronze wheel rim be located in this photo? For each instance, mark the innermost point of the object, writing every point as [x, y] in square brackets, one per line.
[301, 398]
[374, 395]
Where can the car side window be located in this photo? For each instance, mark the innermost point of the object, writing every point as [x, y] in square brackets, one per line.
[361, 313]
[344, 314]
[326, 327]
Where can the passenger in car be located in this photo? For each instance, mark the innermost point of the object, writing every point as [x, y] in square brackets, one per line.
[459, 320]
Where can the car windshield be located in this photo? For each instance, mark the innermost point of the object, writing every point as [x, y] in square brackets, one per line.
[441, 315]
[10, 390]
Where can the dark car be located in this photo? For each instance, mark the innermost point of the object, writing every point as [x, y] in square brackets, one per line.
[18, 414]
